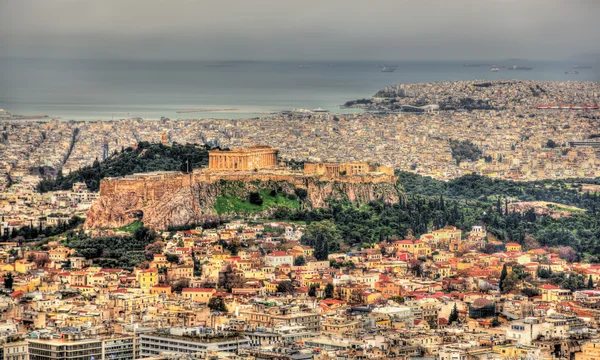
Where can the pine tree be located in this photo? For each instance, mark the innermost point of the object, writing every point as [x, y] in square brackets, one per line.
[590, 284]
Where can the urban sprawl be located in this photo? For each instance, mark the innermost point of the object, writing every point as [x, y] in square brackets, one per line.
[250, 286]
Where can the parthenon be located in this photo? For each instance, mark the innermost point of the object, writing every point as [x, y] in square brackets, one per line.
[254, 158]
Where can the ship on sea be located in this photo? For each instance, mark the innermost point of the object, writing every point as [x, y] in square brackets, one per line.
[319, 110]
[582, 67]
[494, 69]
[388, 69]
[515, 67]
[572, 72]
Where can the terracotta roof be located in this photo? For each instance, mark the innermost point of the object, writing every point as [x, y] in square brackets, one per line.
[278, 253]
[549, 287]
[481, 302]
[202, 290]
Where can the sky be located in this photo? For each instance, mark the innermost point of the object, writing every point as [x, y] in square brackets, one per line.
[300, 30]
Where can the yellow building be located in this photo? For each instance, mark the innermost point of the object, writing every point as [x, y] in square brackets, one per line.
[199, 295]
[517, 351]
[511, 246]
[181, 272]
[443, 237]
[271, 286]
[589, 351]
[59, 254]
[26, 286]
[23, 267]
[551, 293]
[161, 289]
[147, 278]
[417, 248]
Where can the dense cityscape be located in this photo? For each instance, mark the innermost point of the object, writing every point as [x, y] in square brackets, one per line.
[451, 220]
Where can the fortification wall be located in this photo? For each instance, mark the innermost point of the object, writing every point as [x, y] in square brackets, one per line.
[165, 199]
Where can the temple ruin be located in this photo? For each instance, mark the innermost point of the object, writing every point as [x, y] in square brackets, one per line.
[253, 158]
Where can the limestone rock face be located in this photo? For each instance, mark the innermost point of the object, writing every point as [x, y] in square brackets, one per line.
[358, 193]
[168, 199]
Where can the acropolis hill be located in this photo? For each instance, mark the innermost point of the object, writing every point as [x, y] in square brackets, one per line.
[163, 199]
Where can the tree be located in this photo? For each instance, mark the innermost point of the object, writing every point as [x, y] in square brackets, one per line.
[255, 198]
[551, 144]
[180, 284]
[300, 261]
[530, 292]
[312, 291]
[510, 282]
[286, 287]
[8, 281]
[453, 315]
[329, 291]
[503, 275]
[197, 265]
[152, 249]
[416, 266]
[42, 260]
[590, 283]
[495, 321]
[568, 254]
[145, 235]
[323, 236]
[229, 279]
[172, 258]
[217, 303]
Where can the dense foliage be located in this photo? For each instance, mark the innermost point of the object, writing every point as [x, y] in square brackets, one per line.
[145, 158]
[464, 150]
[112, 251]
[476, 187]
[33, 232]
[463, 202]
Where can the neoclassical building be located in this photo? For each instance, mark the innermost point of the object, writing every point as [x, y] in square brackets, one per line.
[253, 158]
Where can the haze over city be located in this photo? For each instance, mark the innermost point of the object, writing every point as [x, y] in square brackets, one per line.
[306, 30]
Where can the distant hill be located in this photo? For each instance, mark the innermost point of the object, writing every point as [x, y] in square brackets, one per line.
[145, 158]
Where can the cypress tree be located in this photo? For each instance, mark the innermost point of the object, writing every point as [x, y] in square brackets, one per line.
[499, 206]
[590, 284]
[503, 276]
[453, 315]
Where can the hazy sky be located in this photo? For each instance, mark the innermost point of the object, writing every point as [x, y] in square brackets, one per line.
[300, 30]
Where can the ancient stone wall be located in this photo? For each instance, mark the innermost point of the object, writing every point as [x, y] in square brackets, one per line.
[166, 199]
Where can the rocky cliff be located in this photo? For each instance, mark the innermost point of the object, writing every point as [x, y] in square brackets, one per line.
[168, 199]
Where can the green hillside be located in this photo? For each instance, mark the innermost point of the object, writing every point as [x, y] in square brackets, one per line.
[145, 158]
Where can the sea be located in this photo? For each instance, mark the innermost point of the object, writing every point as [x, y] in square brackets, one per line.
[84, 89]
